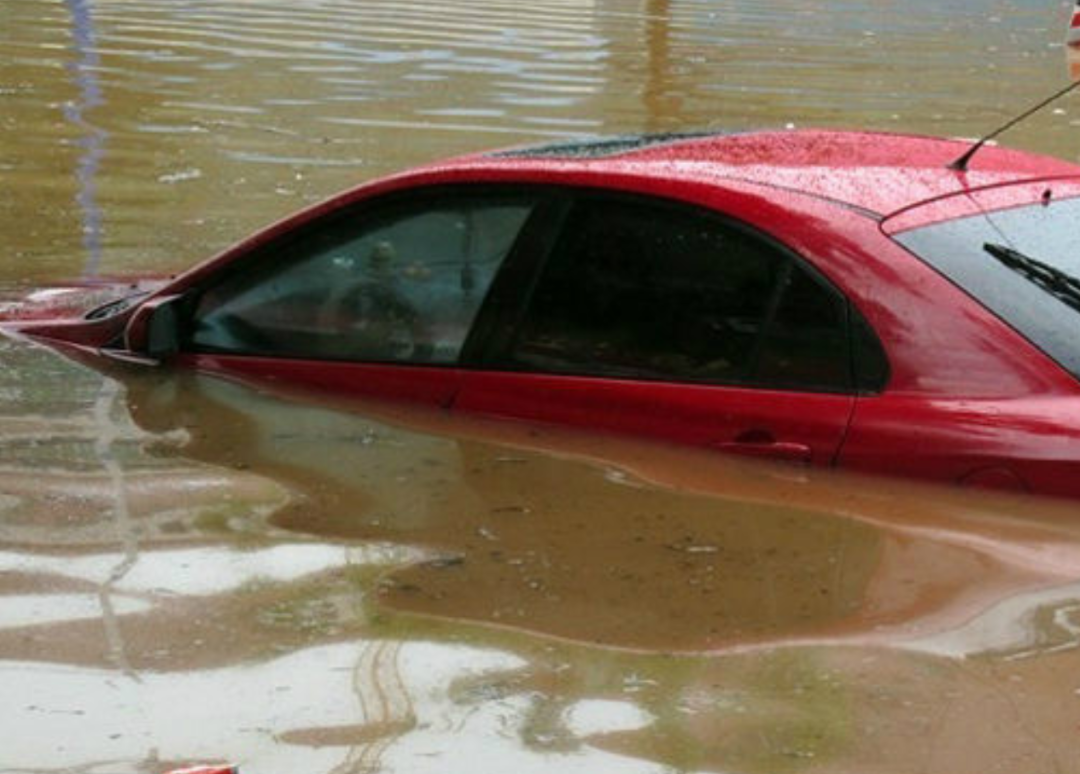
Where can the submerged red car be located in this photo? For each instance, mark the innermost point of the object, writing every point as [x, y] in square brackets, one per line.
[834, 298]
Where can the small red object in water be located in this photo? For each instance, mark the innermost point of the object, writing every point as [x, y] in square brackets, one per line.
[207, 770]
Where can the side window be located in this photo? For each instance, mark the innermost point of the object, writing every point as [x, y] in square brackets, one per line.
[399, 285]
[806, 343]
[659, 291]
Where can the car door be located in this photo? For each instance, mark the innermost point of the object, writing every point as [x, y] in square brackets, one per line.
[659, 319]
[376, 300]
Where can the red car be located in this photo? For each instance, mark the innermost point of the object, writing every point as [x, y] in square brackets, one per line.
[834, 298]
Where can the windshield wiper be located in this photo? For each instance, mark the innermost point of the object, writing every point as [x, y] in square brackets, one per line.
[1061, 285]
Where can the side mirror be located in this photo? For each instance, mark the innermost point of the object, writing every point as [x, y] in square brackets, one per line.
[154, 331]
[163, 331]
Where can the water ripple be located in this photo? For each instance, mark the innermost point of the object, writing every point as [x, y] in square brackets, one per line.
[307, 97]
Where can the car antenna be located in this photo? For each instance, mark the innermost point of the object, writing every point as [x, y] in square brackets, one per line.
[961, 164]
[1072, 42]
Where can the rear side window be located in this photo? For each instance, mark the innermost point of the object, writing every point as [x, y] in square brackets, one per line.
[1023, 264]
[806, 342]
[643, 289]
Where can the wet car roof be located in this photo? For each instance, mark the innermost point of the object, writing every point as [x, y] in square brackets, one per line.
[878, 172]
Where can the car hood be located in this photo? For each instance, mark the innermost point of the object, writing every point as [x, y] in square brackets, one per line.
[89, 300]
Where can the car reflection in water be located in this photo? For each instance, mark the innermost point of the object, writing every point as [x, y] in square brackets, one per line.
[337, 590]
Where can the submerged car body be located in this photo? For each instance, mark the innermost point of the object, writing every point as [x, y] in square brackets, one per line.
[833, 298]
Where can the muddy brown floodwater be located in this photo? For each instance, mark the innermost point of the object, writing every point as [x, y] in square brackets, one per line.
[193, 570]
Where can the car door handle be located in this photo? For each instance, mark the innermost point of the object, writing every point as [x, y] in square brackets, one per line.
[756, 443]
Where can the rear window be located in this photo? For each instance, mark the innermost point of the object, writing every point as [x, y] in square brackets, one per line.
[1023, 264]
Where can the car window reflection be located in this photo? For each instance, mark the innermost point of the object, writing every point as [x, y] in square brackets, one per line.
[403, 287]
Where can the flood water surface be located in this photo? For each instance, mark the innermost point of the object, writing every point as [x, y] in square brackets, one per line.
[197, 571]
[131, 131]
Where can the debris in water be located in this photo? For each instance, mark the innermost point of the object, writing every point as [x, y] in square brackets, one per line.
[181, 176]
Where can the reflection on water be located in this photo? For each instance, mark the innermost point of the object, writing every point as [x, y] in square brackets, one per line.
[84, 71]
[195, 571]
[383, 588]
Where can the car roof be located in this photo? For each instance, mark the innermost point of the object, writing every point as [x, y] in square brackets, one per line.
[880, 173]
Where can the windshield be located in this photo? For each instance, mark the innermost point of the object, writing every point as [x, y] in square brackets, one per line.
[1023, 264]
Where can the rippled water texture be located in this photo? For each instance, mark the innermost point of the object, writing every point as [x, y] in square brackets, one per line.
[148, 134]
[192, 570]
